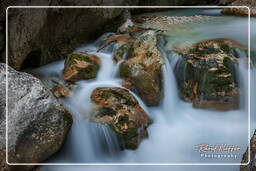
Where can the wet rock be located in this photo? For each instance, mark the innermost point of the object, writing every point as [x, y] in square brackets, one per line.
[118, 108]
[121, 53]
[40, 36]
[81, 66]
[252, 164]
[37, 122]
[165, 22]
[60, 91]
[206, 74]
[129, 27]
[240, 11]
[143, 68]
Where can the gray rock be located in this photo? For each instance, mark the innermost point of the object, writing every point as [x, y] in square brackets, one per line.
[40, 36]
[37, 122]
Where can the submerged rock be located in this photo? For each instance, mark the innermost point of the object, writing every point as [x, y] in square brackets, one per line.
[37, 122]
[252, 164]
[206, 74]
[118, 108]
[143, 68]
[81, 66]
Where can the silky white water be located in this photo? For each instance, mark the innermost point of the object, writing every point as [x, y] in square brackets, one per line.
[177, 129]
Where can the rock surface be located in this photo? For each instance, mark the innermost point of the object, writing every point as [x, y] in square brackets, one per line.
[240, 11]
[40, 36]
[118, 108]
[206, 74]
[37, 122]
[143, 68]
[81, 66]
[252, 165]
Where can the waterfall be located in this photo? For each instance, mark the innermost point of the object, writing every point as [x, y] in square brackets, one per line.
[170, 92]
[177, 127]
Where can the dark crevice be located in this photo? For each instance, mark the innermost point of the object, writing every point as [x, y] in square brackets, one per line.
[33, 60]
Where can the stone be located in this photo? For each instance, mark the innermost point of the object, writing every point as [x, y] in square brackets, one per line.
[252, 163]
[143, 68]
[81, 66]
[118, 108]
[206, 74]
[240, 11]
[37, 123]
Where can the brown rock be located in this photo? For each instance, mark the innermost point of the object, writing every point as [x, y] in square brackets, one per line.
[81, 66]
[122, 112]
[143, 68]
[252, 163]
[60, 91]
[206, 74]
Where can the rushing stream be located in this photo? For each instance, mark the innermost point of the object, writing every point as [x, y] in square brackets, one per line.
[178, 127]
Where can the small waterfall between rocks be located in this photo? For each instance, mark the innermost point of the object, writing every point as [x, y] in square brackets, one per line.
[178, 127]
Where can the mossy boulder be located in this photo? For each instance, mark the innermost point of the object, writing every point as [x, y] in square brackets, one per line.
[206, 74]
[143, 68]
[118, 108]
[81, 66]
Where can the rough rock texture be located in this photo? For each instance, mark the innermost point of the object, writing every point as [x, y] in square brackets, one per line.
[81, 66]
[143, 67]
[39, 36]
[239, 11]
[252, 165]
[118, 108]
[37, 122]
[167, 22]
[206, 74]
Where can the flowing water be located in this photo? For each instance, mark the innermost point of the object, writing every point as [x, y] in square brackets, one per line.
[178, 127]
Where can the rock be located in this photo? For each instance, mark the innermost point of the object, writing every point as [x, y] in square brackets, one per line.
[143, 68]
[129, 27]
[240, 11]
[121, 52]
[118, 108]
[40, 36]
[81, 66]
[119, 41]
[37, 122]
[165, 22]
[60, 91]
[252, 164]
[206, 74]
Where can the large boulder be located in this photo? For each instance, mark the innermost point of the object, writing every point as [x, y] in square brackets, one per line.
[252, 164]
[42, 35]
[206, 74]
[37, 122]
[143, 67]
[118, 108]
[81, 66]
